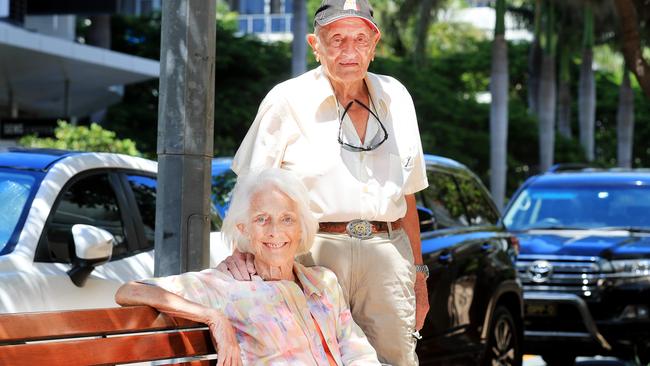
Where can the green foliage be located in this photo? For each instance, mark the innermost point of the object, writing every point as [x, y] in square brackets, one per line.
[452, 122]
[245, 71]
[82, 138]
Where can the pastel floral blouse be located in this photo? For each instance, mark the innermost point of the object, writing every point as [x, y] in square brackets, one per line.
[274, 320]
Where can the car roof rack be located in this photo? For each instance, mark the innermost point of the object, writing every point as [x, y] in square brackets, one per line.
[563, 167]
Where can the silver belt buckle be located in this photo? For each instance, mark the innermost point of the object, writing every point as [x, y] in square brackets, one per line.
[360, 229]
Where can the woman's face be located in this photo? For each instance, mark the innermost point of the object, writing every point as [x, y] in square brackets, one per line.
[274, 228]
[345, 49]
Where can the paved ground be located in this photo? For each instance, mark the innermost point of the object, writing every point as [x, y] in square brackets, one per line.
[531, 360]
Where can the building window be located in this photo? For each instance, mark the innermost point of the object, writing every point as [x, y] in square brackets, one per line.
[276, 7]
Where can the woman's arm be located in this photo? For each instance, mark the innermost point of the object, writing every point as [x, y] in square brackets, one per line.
[134, 293]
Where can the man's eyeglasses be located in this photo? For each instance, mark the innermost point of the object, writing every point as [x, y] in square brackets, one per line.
[380, 137]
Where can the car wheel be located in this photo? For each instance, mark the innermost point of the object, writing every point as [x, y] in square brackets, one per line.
[504, 343]
[559, 359]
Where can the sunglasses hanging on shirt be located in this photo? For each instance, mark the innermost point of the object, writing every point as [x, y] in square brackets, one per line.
[380, 137]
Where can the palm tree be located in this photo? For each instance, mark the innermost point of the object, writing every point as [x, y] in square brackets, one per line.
[631, 43]
[499, 108]
[299, 44]
[587, 86]
[534, 61]
[547, 90]
[564, 94]
[625, 122]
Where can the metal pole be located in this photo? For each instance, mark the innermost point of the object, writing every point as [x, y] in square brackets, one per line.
[185, 136]
[299, 43]
[66, 97]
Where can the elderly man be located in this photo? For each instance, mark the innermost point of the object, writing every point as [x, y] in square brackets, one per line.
[352, 138]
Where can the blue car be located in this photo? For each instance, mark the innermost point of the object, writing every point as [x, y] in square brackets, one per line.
[584, 262]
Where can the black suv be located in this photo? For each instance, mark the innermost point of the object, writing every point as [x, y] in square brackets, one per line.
[584, 263]
[475, 297]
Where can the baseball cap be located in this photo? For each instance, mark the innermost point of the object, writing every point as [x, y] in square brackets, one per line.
[333, 10]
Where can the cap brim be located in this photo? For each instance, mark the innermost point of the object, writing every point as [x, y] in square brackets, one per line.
[371, 24]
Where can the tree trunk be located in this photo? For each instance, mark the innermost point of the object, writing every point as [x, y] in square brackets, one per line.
[546, 102]
[299, 43]
[422, 31]
[499, 110]
[587, 87]
[587, 104]
[625, 122]
[631, 44]
[564, 96]
[534, 64]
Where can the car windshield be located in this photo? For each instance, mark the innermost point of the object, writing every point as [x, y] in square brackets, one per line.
[15, 190]
[589, 207]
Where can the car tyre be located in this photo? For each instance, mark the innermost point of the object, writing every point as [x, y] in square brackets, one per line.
[504, 342]
[559, 359]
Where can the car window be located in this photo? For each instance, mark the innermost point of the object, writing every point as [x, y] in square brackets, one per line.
[443, 199]
[14, 194]
[222, 185]
[479, 210]
[144, 192]
[92, 201]
[580, 207]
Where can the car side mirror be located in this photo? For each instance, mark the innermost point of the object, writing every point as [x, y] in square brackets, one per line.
[427, 221]
[93, 246]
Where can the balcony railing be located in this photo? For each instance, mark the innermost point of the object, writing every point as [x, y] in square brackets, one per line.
[264, 23]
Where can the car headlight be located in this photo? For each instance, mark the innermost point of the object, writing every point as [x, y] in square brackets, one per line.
[631, 267]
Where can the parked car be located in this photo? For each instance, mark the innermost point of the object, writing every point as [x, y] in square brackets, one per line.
[475, 298]
[474, 294]
[45, 264]
[584, 262]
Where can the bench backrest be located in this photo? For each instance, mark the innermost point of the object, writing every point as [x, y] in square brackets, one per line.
[101, 337]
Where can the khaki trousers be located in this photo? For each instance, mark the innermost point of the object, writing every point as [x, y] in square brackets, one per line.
[377, 276]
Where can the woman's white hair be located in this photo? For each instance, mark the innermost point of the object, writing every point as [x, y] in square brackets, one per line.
[240, 203]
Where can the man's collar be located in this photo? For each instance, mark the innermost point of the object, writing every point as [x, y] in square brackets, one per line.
[323, 91]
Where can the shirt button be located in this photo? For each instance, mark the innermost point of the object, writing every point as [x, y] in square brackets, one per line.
[365, 189]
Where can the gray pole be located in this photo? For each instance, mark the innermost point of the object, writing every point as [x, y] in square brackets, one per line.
[299, 43]
[185, 136]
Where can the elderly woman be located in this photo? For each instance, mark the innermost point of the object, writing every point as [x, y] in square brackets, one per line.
[288, 314]
[351, 136]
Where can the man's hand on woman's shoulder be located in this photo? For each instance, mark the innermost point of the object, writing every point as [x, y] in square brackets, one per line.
[239, 265]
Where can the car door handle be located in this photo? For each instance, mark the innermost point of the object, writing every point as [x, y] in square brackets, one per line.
[445, 257]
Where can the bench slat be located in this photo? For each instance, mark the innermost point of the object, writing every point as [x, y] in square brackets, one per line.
[21, 327]
[119, 349]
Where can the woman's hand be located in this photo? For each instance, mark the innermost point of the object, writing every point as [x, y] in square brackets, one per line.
[224, 339]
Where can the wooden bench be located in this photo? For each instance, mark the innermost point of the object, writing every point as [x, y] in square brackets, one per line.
[103, 337]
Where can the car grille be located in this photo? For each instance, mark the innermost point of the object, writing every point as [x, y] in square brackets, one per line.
[576, 275]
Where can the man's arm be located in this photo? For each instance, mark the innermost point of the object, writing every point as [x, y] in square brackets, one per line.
[412, 229]
[240, 266]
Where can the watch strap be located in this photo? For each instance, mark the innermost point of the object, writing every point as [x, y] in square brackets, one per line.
[422, 268]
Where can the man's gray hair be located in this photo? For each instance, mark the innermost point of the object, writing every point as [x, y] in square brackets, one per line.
[240, 206]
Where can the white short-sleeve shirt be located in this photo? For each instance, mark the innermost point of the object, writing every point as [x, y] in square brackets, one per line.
[297, 128]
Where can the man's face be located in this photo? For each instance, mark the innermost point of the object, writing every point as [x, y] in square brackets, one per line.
[346, 48]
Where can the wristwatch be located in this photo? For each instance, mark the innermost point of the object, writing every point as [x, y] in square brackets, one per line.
[423, 268]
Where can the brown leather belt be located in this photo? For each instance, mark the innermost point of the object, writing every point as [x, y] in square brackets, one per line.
[342, 227]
